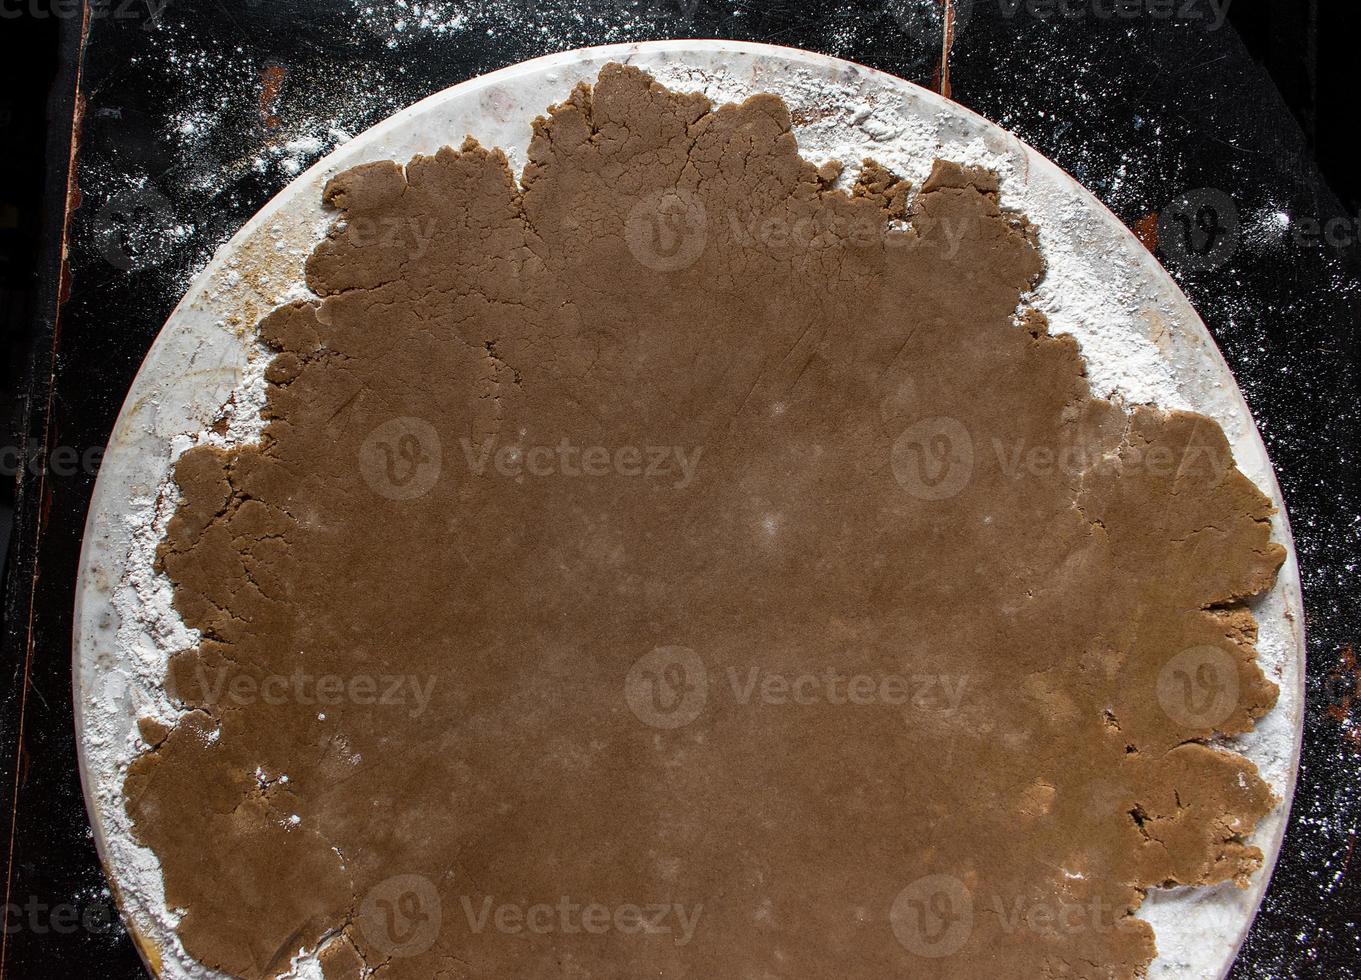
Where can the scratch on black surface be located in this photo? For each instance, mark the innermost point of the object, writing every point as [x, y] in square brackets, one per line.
[42, 491]
[947, 43]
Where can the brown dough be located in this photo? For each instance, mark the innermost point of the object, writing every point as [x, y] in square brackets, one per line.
[870, 470]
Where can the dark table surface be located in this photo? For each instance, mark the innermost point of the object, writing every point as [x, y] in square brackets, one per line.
[194, 114]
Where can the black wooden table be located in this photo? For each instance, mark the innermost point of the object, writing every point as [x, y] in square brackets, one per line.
[190, 116]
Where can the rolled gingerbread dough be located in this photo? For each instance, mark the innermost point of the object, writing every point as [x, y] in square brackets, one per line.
[673, 565]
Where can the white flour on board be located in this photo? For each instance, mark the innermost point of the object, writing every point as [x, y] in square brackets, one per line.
[1086, 292]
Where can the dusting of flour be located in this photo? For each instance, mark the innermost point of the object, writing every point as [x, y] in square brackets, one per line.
[1084, 292]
